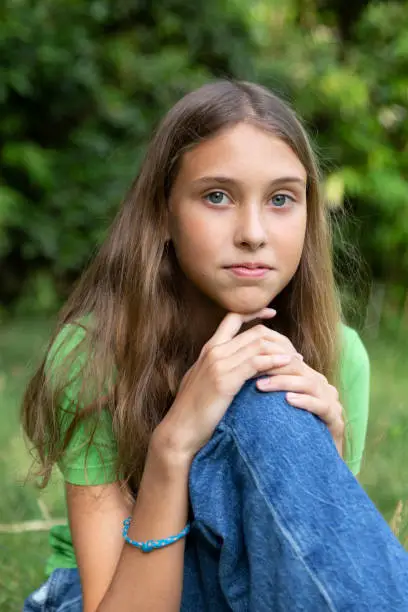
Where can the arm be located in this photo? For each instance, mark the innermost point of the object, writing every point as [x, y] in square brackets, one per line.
[355, 395]
[117, 576]
[114, 574]
[357, 405]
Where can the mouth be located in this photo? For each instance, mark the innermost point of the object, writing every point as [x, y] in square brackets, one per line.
[249, 264]
[243, 271]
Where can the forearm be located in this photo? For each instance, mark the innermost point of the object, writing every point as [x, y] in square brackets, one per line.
[153, 581]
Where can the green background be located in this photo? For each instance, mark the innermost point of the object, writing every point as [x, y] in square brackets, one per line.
[83, 83]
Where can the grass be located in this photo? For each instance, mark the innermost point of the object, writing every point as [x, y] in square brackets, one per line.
[22, 555]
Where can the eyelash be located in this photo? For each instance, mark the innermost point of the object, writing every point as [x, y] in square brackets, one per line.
[285, 195]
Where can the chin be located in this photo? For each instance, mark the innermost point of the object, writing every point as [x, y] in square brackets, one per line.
[246, 307]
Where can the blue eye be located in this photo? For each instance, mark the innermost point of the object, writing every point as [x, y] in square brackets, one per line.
[280, 199]
[215, 197]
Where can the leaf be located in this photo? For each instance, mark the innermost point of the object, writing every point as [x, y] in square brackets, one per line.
[32, 159]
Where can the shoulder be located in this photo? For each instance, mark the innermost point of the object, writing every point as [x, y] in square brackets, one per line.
[89, 449]
[354, 356]
[67, 351]
[354, 392]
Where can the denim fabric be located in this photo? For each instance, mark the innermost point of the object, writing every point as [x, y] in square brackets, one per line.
[60, 593]
[280, 523]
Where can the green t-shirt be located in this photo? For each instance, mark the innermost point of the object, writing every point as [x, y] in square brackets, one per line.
[100, 459]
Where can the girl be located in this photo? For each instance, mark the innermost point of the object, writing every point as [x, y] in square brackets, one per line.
[224, 219]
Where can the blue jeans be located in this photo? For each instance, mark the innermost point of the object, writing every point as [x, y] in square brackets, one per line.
[280, 522]
[60, 593]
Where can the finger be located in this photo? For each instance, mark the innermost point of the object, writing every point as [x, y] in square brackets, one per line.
[286, 382]
[241, 348]
[271, 342]
[271, 335]
[232, 323]
[294, 367]
[253, 367]
[251, 362]
[311, 404]
[274, 336]
[261, 363]
[316, 406]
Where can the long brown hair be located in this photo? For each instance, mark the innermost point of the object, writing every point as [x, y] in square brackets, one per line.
[138, 343]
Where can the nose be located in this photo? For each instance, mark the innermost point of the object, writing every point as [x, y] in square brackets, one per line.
[251, 227]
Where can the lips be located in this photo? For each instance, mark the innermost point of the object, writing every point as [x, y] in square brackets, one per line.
[254, 266]
[246, 272]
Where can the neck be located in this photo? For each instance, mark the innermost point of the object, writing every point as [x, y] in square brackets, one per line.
[205, 315]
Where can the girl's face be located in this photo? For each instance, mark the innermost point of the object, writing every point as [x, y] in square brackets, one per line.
[239, 197]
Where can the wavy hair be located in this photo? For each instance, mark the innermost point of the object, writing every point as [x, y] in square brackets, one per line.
[138, 342]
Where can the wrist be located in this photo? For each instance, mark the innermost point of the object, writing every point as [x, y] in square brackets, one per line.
[167, 451]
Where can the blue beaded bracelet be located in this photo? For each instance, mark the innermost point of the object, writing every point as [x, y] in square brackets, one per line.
[152, 544]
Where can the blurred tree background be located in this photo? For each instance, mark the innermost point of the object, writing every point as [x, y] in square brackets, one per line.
[82, 85]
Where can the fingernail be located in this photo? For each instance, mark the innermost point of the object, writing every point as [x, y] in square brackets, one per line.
[263, 382]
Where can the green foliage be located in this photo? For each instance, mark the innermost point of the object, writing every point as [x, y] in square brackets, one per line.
[83, 84]
[345, 71]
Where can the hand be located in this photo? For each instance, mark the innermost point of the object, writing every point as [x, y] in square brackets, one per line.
[308, 390]
[225, 362]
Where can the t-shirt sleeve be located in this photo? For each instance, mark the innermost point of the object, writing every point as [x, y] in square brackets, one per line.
[355, 396]
[82, 463]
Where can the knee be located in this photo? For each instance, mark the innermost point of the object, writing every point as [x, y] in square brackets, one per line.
[268, 414]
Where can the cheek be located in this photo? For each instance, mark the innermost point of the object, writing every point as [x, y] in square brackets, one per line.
[289, 239]
[196, 243]
[196, 230]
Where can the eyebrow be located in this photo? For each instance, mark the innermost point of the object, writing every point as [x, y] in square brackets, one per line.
[204, 180]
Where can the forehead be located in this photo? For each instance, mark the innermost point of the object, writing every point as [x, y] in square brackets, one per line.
[243, 149]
